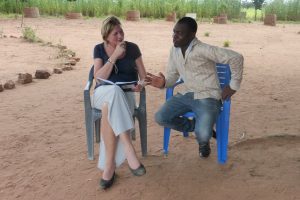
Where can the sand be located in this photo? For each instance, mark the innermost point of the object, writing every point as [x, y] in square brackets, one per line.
[43, 144]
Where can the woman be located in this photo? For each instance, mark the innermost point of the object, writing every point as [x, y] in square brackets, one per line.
[116, 60]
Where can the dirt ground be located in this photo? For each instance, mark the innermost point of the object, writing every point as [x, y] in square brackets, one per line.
[43, 152]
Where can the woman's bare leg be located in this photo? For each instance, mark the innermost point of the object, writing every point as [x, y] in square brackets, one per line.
[110, 142]
[132, 159]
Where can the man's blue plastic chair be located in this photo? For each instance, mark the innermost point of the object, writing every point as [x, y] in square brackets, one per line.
[222, 125]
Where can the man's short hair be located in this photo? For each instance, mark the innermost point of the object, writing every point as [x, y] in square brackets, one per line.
[190, 23]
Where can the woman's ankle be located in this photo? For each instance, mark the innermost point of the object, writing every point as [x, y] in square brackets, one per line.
[133, 162]
[108, 172]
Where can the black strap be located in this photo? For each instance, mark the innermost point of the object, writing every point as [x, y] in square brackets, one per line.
[104, 83]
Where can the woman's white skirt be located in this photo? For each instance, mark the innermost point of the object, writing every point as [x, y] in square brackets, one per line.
[120, 111]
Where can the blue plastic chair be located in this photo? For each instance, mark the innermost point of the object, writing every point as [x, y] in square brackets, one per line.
[222, 124]
[93, 119]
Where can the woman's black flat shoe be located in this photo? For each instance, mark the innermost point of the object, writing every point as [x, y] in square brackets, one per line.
[140, 171]
[105, 184]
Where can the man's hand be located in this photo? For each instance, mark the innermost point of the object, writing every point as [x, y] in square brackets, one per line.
[155, 81]
[227, 92]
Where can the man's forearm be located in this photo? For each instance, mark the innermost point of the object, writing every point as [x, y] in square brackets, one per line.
[236, 65]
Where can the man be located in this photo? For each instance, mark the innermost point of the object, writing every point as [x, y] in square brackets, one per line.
[194, 62]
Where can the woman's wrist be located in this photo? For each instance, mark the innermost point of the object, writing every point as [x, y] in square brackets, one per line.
[109, 60]
[113, 64]
[142, 83]
[113, 59]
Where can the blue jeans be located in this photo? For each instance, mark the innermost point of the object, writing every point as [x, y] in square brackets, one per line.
[206, 112]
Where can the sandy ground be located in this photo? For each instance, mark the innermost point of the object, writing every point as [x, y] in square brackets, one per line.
[43, 144]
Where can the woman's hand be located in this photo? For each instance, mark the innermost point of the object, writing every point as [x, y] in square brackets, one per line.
[139, 87]
[120, 50]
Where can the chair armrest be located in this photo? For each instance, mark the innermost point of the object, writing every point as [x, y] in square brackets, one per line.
[88, 86]
[87, 97]
[170, 90]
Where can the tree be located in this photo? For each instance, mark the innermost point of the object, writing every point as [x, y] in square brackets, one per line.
[257, 5]
[246, 4]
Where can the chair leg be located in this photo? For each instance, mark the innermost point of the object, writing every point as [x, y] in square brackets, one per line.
[143, 131]
[222, 139]
[166, 140]
[132, 133]
[90, 139]
[97, 129]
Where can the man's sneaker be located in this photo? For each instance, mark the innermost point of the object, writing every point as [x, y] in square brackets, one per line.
[204, 150]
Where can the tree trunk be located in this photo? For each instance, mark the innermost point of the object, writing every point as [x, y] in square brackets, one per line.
[255, 15]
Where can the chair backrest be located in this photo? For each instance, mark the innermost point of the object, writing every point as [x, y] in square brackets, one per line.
[224, 74]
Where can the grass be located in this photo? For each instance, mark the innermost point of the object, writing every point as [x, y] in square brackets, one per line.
[206, 34]
[250, 13]
[286, 10]
[226, 43]
[287, 22]
[1, 33]
[148, 8]
[9, 15]
[30, 35]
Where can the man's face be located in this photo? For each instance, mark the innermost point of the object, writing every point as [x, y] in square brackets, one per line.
[181, 35]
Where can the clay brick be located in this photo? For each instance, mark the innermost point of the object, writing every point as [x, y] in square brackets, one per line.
[42, 74]
[9, 85]
[25, 78]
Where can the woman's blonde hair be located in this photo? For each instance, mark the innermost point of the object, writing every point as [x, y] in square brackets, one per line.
[108, 25]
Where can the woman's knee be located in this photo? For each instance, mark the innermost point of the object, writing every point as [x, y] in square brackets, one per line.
[116, 89]
[104, 107]
[117, 92]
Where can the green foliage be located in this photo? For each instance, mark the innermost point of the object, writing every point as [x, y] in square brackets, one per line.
[258, 4]
[285, 9]
[1, 33]
[206, 34]
[226, 43]
[148, 8]
[247, 4]
[250, 13]
[29, 35]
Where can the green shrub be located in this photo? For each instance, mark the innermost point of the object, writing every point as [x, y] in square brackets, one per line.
[29, 35]
[206, 34]
[285, 9]
[226, 43]
[1, 33]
